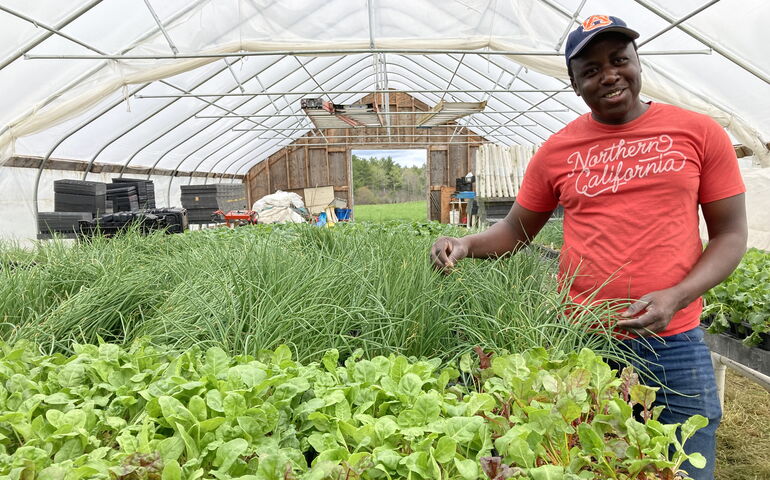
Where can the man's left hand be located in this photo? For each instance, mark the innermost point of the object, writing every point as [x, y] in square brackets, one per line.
[652, 312]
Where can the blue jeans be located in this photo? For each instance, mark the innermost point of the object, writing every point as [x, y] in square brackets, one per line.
[681, 364]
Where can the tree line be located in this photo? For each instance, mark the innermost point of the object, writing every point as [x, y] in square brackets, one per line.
[381, 180]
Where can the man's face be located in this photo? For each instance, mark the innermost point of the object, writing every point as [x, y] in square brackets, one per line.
[607, 75]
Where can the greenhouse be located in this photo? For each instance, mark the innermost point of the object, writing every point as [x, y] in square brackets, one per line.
[275, 239]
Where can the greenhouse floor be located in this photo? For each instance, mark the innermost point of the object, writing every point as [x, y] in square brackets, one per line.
[743, 439]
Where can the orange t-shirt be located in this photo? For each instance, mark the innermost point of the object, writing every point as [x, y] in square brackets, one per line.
[630, 194]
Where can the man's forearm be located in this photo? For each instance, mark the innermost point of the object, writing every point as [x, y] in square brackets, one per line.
[508, 235]
[497, 240]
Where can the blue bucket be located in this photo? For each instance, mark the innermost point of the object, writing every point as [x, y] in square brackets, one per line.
[343, 214]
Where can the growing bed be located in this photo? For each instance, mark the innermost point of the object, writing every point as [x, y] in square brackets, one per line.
[299, 352]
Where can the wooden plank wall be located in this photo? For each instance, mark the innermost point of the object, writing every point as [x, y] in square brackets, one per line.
[308, 162]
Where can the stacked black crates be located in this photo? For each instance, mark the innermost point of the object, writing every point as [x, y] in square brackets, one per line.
[124, 198]
[80, 196]
[145, 190]
[61, 223]
[201, 201]
[170, 220]
[74, 201]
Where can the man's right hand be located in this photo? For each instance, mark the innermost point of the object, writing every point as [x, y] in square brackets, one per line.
[446, 251]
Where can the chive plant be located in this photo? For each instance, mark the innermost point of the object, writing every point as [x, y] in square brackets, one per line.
[355, 286]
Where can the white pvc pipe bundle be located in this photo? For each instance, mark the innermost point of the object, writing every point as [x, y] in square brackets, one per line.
[481, 180]
[500, 169]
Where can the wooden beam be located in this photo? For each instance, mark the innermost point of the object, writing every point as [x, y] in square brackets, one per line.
[80, 166]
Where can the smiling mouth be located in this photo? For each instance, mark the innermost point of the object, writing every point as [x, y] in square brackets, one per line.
[613, 93]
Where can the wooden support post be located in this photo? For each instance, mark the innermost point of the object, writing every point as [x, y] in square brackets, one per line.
[269, 184]
[351, 196]
[328, 169]
[288, 170]
[247, 180]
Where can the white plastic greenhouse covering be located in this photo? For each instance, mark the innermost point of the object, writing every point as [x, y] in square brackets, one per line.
[158, 84]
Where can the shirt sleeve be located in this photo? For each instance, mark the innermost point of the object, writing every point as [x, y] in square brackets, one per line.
[720, 175]
[537, 192]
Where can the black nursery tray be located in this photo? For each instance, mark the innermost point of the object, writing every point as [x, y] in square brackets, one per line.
[740, 331]
[752, 357]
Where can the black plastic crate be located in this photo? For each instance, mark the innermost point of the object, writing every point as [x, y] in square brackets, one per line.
[79, 187]
[61, 222]
[145, 190]
[70, 202]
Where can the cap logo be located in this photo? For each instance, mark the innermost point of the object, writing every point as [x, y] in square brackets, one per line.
[596, 21]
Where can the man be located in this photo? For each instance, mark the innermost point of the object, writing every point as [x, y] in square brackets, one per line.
[630, 176]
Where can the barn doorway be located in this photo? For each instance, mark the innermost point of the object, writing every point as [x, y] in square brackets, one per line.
[390, 184]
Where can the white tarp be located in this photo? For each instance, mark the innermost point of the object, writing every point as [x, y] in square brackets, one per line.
[279, 207]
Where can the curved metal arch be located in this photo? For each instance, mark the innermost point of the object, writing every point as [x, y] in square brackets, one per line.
[334, 63]
[402, 66]
[82, 125]
[288, 137]
[208, 103]
[176, 169]
[422, 67]
[277, 142]
[347, 98]
[140, 122]
[514, 94]
[474, 84]
[407, 82]
[89, 73]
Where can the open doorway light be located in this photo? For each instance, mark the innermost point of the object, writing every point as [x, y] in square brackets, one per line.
[389, 176]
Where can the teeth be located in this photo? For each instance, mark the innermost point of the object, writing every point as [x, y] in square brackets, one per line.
[613, 94]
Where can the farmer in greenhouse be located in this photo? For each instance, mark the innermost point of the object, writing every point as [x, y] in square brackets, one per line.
[630, 176]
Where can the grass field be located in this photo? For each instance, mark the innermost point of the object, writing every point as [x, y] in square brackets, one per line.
[408, 212]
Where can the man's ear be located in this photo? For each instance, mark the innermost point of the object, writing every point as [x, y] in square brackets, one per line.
[574, 85]
[572, 79]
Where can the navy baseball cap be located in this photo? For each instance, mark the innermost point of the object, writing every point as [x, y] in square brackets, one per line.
[590, 28]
